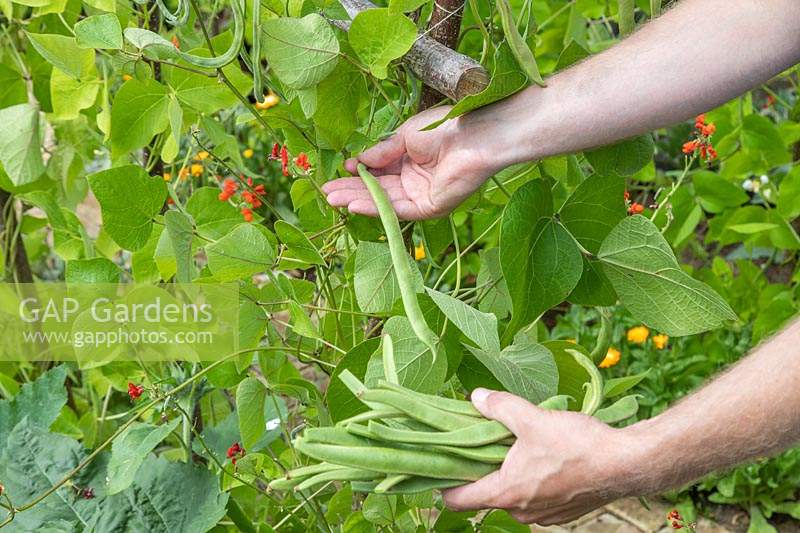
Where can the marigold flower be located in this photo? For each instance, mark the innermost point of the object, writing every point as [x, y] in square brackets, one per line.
[660, 341]
[167, 176]
[270, 100]
[135, 391]
[638, 335]
[247, 214]
[202, 155]
[248, 153]
[126, 77]
[419, 252]
[197, 169]
[611, 358]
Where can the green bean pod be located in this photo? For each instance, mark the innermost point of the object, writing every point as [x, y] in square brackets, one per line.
[371, 415]
[334, 435]
[604, 337]
[342, 474]
[400, 260]
[297, 475]
[232, 51]
[255, 52]
[419, 410]
[594, 388]
[479, 434]
[459, 407]
[180, 16]
[492, 454]
[397, 461]
[410, 486]
[389, 482]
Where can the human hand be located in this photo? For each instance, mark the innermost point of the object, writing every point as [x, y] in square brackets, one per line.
[563, 464]
[426, 174]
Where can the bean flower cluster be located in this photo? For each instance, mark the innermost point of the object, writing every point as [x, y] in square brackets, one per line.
[634, 208]
[251, 196]
[281, 153]
[701, 143]
[678, 522]
[135, 391]
[235, 452]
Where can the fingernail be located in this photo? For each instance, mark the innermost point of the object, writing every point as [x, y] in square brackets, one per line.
[478, 397]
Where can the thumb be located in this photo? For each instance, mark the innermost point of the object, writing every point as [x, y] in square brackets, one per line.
[382, 154]
[514, 412]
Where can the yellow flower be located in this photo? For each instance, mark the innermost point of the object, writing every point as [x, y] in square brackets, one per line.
[126, 77]
[201, 155]
[248, 153]
[611, 358]
[197, 169]
[167, 176]
[638, 335]
[183, 173]
[419, 252]
[270, 100]
[660, 341]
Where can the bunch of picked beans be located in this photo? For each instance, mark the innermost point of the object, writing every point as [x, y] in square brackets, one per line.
[406, 442]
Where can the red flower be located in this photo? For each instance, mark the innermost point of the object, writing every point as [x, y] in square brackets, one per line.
[247, 214]
[689, 147]
[275, 151]
[135, 391]
[302, 161]
[708, 130]
[627, 196]
[284, 161]
[635, 209]
[235, 452]
[87, 493]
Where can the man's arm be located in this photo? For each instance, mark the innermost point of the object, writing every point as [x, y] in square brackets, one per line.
[693, 58]
[566, 464]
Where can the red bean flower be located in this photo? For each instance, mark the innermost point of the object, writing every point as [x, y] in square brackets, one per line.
[135, 391]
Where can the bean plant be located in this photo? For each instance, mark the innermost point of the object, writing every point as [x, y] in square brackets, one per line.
[187, 141]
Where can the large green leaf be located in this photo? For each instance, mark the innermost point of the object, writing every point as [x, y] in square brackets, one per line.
[300, 51]
[12, 87]
[519, 48]
[650, 283]
[99, 31]
[181, 232]
[379, 37]
[63, 53]
[299, 246]
[40, 402]
[129, 199]
[592, 211]
[625, 158]
[239, 254]
[494, 297]
[140, 111]
[507, 79]
[479, 327]
[338, 118]
[716, 193]
[341, 402]
[94, 270]
[539, 258]
[251, 396]
[69, 95]
[131, 449]
[526, 369]
[375, 281]
[20, 143]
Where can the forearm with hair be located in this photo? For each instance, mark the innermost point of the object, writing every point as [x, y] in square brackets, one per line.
[695, 57]
[750, 411]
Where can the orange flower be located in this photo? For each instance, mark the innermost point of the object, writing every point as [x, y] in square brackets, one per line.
[660, 341]
[247, 214]
[638, 335]
[635, 209]
[611, 358]
[270, 100]
[202, 155]
[302, 161]
[167, 176]
[689, 147]
[197, 169]
[175, 42]
[183, 173]
[126, 77]
[708, 130]
[419, 252]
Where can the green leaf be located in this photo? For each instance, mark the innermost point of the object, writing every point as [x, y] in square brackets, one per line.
[540, 260]
[298, 244]
[301, 324]
[716, 193]
[594, 288]
[95, 270]
[239, 254]
[99, 31]
[130, 450]
[63, 53]
[251, 396]
[789, 195]
[760, 136]
[622, 159]
[300, 51]
[519, 48]
[40, 402]
[129, 199]
[337, 119]
[759, 524]
[405, 6]
[69, 95]
[12, 87]
[616, 386]
[748, 228]
[379, 37]
[480, 328]
[341, 402]
[526, 369]
[594, 209]
[417, 368]
[20, 143]
[165, 497]
[622, 409]
[139, 112]
[151, 44]
[507, 79]
[651, 284]
[494, 295]
[375, 281]
[181, 232]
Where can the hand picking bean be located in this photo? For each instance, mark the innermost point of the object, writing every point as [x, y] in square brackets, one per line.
[479, 434]
[397, 461]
